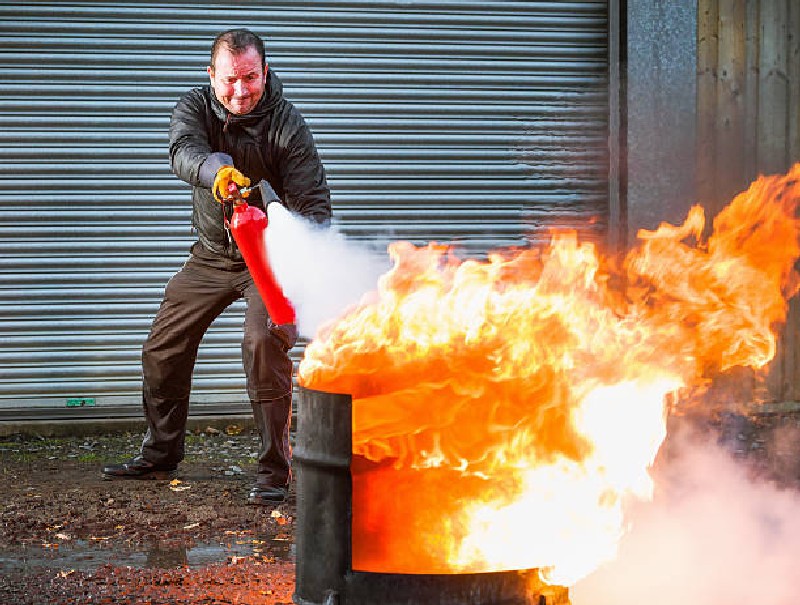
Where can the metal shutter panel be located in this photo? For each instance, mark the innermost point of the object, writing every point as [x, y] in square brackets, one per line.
[469, 122]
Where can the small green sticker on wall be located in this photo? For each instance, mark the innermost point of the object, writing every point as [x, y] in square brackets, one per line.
[77, 402]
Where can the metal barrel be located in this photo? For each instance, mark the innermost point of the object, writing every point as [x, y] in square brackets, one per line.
[323, 568]
[322, 453]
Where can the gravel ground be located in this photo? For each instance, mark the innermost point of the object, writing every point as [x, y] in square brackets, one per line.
[68, 536]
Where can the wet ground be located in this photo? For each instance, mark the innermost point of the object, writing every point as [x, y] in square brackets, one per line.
[68, 536]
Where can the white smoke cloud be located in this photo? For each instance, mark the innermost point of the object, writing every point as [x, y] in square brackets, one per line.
[713, 535]
[320, 271]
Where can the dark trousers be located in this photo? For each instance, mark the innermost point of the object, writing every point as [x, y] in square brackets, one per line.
[194, 297]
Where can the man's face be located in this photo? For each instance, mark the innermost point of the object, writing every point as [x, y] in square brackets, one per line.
[238, 80]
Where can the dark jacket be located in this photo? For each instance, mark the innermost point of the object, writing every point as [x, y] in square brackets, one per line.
[272, 143]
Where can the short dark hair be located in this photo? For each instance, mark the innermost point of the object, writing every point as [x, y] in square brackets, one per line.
[238, 41]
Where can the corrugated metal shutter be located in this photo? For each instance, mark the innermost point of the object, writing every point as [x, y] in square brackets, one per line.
[475, 122]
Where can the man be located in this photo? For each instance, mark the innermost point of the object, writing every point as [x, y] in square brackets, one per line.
[237, 131]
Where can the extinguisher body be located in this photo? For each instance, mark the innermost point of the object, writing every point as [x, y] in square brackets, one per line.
[248, 226]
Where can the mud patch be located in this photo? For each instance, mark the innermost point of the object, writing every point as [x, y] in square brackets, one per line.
[69, 536]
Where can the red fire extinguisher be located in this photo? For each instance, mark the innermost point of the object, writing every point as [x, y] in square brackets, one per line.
[248, 226]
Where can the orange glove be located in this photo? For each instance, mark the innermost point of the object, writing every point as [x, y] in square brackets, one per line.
[225, 176]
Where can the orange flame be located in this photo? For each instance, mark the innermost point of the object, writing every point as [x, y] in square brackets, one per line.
[502, 410]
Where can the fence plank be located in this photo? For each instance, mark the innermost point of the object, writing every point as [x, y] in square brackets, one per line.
[730, 123]
[773, 87]
[707, 46]
[752, 9]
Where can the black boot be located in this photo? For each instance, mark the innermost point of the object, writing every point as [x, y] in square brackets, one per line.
[272, 419]
[262, 495]
[139, 468]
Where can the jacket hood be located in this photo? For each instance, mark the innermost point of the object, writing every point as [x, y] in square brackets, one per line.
[273, 94]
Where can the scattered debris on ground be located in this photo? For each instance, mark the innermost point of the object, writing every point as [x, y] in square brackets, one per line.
[69, 536]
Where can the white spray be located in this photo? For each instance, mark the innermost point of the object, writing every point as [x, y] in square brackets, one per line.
[320, 271]
[713, 535]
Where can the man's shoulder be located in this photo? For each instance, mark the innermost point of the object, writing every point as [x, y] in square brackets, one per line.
[287, 113]
[196, 94]
[194, 102]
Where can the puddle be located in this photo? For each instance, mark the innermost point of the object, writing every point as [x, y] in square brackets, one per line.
[84, 555]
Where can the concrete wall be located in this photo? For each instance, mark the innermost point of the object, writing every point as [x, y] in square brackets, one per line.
[661, 100]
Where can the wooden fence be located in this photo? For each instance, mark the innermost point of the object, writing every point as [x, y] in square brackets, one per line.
[748, 104]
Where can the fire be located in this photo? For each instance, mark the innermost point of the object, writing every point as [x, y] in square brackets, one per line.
[503, 410]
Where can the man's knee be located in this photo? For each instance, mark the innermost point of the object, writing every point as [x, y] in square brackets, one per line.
[267, 364]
